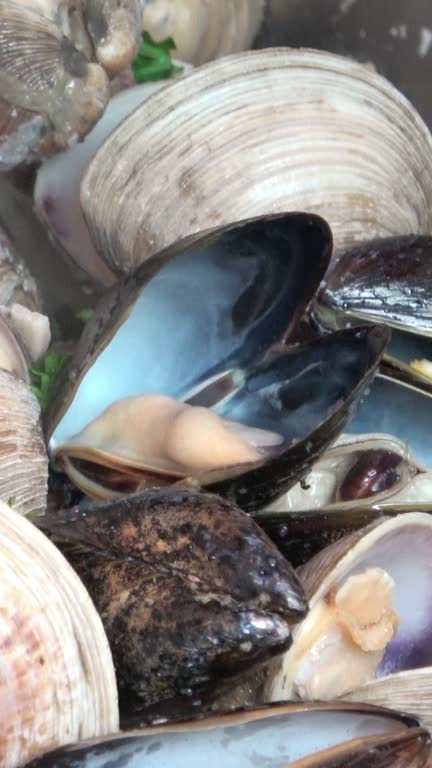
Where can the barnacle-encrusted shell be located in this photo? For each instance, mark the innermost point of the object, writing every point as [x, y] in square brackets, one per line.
[57, 678]
[262, 131]
[203, 31]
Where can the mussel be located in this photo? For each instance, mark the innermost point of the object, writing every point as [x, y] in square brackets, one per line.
[360, 470]
[221, 396]
[388, 281]
[287, 735]
[189, 589]
[368, 632]
[57, 676]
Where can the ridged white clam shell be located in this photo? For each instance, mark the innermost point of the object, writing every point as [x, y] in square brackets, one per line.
[256, 133]
[57, 682]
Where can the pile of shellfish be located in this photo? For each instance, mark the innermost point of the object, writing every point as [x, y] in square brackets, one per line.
[216, 481]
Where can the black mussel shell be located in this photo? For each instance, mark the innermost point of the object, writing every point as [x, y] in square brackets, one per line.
[190, 590]
[280, 736]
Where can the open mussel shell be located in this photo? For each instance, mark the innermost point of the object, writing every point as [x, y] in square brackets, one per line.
[316, 736]
[224, 375]
[58, 683]
[204, 31]
[281, 135]
[387, 281]
[369, 619]
[360, 470]
[189, 589]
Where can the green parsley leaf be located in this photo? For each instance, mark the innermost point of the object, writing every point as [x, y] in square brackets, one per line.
[44, 378]
[153, 61]
[85, 314]
[11, 501]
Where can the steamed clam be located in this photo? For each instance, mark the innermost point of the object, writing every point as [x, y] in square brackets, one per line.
[52, 91]
[203, 31]
[24, 337]
[57, 683]
[274, 406]
[367, 634]
[276, 737]
[263, 131]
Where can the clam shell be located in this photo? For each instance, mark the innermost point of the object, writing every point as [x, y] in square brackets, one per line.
[399, 547]
[283, 736]
[58, 682]
[42, 73]
[23, 456]
[57, 188]
[264, 131]
[204, 31]
[17, 285]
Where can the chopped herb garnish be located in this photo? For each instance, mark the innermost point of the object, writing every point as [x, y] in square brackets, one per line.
[154, 61]
[11, 501]
[43, 379]
[85, 314]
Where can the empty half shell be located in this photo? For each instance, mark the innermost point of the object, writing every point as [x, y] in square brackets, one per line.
[283, 736]
[57, 683]
[369, 622]
[204, 31]
[263, 131]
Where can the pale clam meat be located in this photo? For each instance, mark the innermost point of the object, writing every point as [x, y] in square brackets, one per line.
[369, 619]
[203, 31]
[262, 131]
[57, 683]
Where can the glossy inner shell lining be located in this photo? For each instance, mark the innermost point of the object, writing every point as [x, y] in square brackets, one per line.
[409, 418]
[270, 741]
[390, 606]
[207, 310]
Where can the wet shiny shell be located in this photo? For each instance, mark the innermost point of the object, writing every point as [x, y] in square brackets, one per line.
[391, 550]
[239, 363]
[272, 131]
[189, 588]
[17, 286]
[284, 736]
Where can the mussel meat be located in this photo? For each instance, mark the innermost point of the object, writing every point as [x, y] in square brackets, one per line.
[274, 406]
